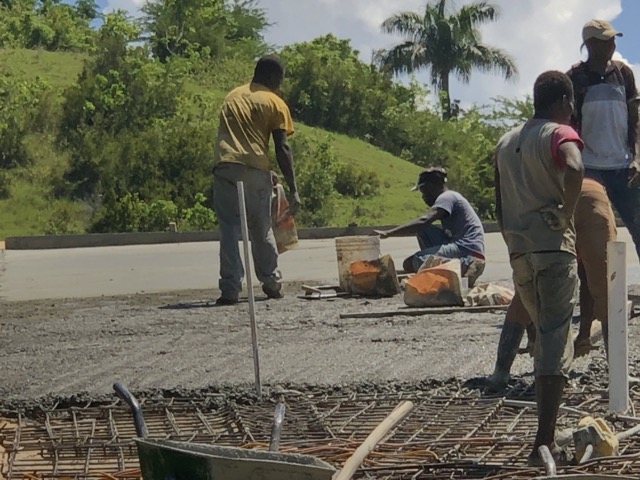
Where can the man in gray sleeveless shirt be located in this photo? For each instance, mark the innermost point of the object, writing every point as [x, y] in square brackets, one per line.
[538, 181]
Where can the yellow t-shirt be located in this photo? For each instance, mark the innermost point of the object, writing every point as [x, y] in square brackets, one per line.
[249, 114]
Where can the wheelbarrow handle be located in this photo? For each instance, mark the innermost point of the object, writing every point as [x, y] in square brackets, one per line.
[138, 419]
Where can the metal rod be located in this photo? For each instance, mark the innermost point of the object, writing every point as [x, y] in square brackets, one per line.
[247, 266]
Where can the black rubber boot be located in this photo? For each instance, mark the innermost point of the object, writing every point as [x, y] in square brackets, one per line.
[508, 346]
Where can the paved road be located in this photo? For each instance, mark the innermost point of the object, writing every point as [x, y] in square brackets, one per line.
[93, 272]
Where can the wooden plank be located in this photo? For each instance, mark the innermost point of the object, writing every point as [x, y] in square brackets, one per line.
[308, 288]
[417, 312]
[354, 462]
[315, 288]
[322, 295]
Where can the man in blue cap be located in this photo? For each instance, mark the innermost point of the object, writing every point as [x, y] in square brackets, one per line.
[461, 235]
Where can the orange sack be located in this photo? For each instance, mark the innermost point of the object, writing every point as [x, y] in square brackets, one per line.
[283, 223]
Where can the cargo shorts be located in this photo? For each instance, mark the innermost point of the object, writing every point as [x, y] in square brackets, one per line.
[546, 283]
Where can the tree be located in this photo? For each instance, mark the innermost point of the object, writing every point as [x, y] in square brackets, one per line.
[447, 42]
[182, 27]
[87, 9]
[48, 24]
[329, 86]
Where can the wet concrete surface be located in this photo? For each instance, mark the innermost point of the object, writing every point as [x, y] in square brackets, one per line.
[179, 340]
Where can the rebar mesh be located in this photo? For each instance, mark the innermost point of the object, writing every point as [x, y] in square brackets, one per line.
[454, 436]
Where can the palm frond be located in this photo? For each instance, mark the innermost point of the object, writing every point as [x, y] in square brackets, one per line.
[404, 58]
[476, 14]
[405, 24]
[493, 60]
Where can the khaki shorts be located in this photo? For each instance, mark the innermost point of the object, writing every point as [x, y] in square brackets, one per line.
[546, 283]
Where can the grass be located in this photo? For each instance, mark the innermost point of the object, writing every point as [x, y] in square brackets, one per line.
[59, 69]
[395, 203]
[33, 210]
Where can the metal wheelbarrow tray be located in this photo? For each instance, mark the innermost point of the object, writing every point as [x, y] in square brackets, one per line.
[171, 460]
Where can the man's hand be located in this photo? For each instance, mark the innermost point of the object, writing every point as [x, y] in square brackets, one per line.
[294, 203]
[555, 218]
[634, 174]
[381, 233]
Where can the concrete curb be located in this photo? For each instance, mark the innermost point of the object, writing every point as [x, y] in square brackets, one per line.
[47, 242]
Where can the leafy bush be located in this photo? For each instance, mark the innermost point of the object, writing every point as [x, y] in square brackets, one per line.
[130, 214]
[51, 25]
[317, 169]
[5, 184]
[328, 86]
[351, 182]
[19, 102]
[198, 218]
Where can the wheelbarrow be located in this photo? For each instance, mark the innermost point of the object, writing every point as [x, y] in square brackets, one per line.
[171, 460]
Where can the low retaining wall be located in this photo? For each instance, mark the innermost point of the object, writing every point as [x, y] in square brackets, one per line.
[46, 242]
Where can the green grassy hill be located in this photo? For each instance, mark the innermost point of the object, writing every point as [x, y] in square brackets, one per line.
[32, 210]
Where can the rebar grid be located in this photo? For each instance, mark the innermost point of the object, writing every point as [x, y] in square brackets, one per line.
[452, 436]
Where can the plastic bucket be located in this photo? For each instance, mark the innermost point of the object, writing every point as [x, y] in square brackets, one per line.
[353, 249]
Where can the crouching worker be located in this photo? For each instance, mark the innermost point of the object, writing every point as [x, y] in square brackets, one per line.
[461, 235]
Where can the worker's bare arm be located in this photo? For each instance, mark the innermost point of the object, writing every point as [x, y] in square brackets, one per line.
[573, 176]
[414, 226]
[284, 156]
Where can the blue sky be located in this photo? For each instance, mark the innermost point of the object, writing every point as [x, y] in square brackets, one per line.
[627, 23]
[540, 34]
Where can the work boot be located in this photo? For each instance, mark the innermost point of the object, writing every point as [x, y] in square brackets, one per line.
[225, 301]
[508, 346]
[273, 291]
[582, 347]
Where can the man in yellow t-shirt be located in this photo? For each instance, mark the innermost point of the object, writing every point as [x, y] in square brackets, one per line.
[250, 115]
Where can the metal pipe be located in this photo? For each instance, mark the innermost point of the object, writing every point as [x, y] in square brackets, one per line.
[252, 301]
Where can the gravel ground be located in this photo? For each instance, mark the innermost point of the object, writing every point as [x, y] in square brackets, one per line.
[180, 340]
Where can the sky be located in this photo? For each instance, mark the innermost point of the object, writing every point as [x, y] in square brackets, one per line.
[539, 34]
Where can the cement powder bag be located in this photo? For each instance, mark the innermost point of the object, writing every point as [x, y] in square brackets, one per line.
[373, 278]
[283, 223]
[489, 295]
[436, 286]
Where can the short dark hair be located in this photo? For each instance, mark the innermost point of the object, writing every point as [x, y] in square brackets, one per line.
[549, 88]
[269, 67]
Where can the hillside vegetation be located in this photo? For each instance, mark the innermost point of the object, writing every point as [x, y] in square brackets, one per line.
[103, 132]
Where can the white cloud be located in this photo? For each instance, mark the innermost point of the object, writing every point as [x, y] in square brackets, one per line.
[539, 34]
[635, 68]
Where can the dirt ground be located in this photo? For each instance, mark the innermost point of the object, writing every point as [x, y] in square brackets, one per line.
[63, 348]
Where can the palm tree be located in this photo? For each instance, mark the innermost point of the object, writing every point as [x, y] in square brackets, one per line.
[447, 43]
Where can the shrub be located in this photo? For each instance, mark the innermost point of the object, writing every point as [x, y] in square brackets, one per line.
[351, 182]
[317, 168]
[130, 214]
[198, 218]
